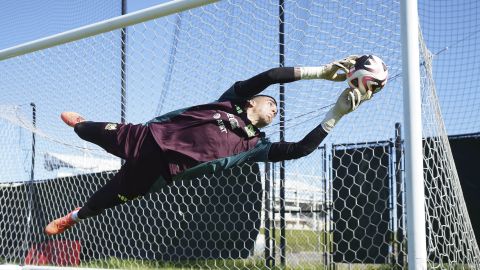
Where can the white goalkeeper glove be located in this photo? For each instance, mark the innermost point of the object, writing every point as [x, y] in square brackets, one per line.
[347, 102]
[330, 71]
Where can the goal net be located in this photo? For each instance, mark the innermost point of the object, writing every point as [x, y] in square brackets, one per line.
[342, 206]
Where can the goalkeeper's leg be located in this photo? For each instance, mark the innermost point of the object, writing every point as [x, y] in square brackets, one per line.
[133, 180]
[110, 195]
[121, 140]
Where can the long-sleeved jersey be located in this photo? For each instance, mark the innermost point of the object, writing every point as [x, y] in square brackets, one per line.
[211, 137]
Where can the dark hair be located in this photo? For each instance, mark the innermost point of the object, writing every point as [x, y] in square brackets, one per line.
[274, 100]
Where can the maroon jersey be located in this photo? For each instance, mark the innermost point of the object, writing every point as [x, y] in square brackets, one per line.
[208, 137]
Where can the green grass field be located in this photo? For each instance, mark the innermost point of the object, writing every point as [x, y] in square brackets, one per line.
[303, 240]
[246, 264]
[298, 241]
[304, 251]
[302, 245]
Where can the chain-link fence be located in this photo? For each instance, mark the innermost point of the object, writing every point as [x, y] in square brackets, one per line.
[341, 207]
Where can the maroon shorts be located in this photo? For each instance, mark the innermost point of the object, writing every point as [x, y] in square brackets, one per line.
[145, 164]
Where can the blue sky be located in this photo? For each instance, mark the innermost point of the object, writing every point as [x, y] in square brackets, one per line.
[24, 20]
[228, 48]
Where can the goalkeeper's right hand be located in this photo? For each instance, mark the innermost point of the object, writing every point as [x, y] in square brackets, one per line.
[330, 71]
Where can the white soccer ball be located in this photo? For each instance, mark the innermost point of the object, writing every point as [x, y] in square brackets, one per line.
[368, 74]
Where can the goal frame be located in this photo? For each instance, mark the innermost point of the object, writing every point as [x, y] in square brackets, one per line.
[412, 96]
[140, 16]
[414, 179]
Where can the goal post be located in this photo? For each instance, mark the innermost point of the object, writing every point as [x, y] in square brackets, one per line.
[382, 180]
[417, 238]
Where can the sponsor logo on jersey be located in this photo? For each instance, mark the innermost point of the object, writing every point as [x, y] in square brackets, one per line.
[111, 126]
[233, 121]
[220, 123]
[221, 126]
[238, 109]
[250, 130]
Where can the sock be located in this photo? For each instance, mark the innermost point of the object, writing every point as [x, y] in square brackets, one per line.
[86, 212]
[75, 216]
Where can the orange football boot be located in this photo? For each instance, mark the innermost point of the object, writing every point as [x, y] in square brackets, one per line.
[71, 118]
[60, 225]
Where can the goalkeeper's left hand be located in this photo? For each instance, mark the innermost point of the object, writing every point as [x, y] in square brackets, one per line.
[347, 102]
[331, 71]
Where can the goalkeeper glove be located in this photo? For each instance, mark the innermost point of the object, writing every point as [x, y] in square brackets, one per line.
[329, 71]
[347, 102]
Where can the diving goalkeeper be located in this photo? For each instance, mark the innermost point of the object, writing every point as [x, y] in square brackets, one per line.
[202, 139]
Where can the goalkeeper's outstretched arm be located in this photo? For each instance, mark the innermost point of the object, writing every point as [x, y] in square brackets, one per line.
[348, 101]
[255, 85]
[335, 71]
[288, 150]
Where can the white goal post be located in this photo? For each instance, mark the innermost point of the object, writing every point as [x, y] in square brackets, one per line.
[417, 255]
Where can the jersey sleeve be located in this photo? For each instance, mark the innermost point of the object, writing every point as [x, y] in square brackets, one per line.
[292, 150]
[243, 90]
[231, 94]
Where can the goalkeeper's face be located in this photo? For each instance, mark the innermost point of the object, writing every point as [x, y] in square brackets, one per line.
[262, 111]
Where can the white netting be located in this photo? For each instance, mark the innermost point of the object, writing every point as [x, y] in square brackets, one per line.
[444, 199]
[23, 21]
[342, 205]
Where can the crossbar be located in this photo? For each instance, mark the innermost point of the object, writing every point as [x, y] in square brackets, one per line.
[143, 15]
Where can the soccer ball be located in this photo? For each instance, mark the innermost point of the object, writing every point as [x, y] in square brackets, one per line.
[368, 74]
